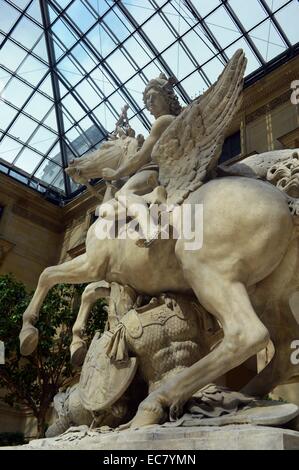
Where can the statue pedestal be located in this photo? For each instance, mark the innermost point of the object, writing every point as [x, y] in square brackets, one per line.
[231, 437]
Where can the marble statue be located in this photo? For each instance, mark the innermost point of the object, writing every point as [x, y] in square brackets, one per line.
[243, 274]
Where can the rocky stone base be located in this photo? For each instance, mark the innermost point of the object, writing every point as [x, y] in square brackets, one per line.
[231, 437]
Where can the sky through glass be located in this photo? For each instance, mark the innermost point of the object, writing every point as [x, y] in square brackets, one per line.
[68, 67]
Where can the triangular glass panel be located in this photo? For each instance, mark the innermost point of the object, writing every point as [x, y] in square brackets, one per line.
[34, 12]
[51, 121]
[46, 86]
[41, 49]
[55, 154]
[267, 40]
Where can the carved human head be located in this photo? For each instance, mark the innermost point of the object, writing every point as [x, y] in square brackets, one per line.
[163, 88]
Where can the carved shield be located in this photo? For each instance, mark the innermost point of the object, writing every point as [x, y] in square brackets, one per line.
[103, 382]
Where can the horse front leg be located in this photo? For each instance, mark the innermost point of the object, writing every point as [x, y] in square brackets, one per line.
[92, 293]
[75, 271]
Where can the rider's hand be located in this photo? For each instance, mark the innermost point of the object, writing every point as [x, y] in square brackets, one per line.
[109, 174]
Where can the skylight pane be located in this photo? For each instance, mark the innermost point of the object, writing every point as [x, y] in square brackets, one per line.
[200, 46]
[100, 6]
[176, 17]
[41, 49]
[17, 92]
[8, 16]
[34, 12]
[9, 149]
[80, 15]
[105, 117]
[140, 9]
[47, 171]
[85, 58]
[194, 85]
[117, 22]
[27, 33]
[32, 70]
[38, 106]
[51, 121]
[46, 86]
[136, 87]
[249, 13]
[28, 160]
[204, 7]
[6, 115]
[70, 71]
[20, 3]
[23, 128]
[11, 55]
[275, 4]
[164, 38]
[223, 27]
[64, 34]
[55, 154]
[42, 140]
[58, 182]
[88, 94]
[213, 69]
[73, 108]
[118, 62]
[288, 20]
[178, 61]
[101, 78]
[138, 50]
[267, 40]
[101, 39]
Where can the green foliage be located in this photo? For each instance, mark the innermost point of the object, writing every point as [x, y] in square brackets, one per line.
[33, 381]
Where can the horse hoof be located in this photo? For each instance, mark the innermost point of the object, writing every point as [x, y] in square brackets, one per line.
[78, 353]
[28, 340]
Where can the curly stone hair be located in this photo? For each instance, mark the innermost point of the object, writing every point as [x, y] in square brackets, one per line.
[165, 86]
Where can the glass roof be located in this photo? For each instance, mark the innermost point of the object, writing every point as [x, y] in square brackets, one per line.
[68, 67]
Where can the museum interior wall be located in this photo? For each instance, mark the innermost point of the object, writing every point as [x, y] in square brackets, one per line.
[34, 233]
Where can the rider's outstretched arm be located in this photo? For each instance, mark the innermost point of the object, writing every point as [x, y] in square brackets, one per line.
[143, 156]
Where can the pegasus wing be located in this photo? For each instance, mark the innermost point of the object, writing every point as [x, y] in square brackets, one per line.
[190, 147]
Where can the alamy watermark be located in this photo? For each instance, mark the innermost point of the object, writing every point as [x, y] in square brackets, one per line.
[295, 92]
[178, 222]
[294, 357]
[295, 354]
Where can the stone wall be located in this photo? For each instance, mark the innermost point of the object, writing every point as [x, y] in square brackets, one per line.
[31, 232]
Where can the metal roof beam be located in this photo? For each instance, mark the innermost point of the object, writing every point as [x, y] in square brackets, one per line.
[56, 91]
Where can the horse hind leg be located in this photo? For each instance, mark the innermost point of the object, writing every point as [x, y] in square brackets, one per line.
[75, 271]
[244, 336]
[281, 368]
